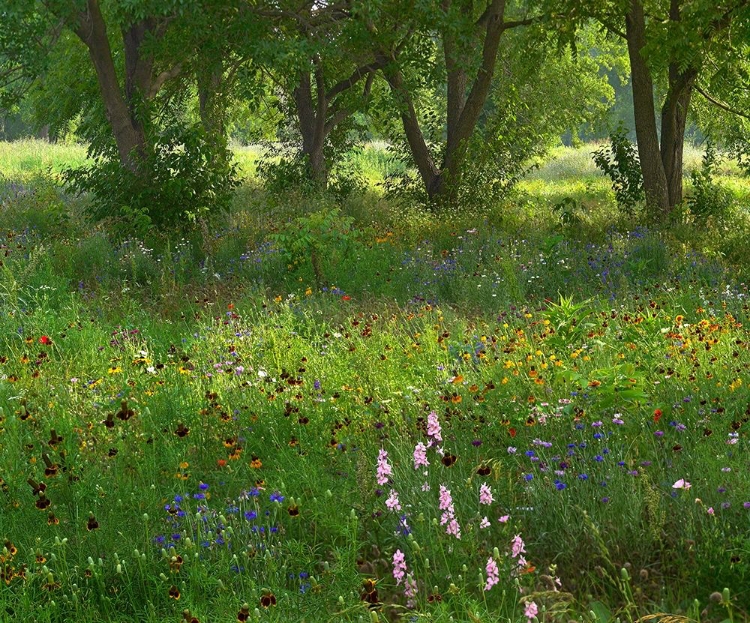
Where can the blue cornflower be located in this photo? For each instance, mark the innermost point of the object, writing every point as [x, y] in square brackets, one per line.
[199, 496]
[178, 498]
[559, 485]
[203, 486]
[250, 515]
[598, 458]
[598, 435]
[276, 497]
[529, 453]
[583, 476]
[529, 476]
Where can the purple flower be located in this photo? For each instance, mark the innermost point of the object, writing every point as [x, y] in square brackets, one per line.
[276, 497]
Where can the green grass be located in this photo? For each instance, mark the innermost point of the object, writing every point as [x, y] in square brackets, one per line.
[207, 421]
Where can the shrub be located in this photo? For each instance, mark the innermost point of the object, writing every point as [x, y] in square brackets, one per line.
[708, 200]
[185, 177]
[619, 162]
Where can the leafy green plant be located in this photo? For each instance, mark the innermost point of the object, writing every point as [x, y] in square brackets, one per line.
[567, 210]
[184, 178]
[326, 233]
[619, 162]
[708, 200]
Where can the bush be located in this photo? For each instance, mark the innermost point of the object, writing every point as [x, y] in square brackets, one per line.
[619, 162]
[185, 177]
[708, 200]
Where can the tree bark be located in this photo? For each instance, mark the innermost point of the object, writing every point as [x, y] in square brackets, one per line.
[129, 135]
[673, 122]
[210, 105]
[311, 114]
[649, 151]
[463, 109]
[428, 171]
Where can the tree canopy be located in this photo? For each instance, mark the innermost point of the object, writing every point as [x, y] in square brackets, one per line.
[466, 91]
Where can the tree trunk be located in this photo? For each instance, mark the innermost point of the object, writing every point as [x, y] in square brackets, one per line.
[463, 109]
[128, 132]
[673, 121]
[312, 116]
[428, 171]
[210, 104]
[649, 152]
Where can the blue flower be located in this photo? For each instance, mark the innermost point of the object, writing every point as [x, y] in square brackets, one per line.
[250, 515]
[529, 476]
[583, 476]
[276, 497]
[559, 485]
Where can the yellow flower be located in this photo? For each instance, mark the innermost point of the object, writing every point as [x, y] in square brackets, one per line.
[114, 370]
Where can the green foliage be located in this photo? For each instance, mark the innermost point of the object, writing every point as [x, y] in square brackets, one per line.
[619, 162]
[326, 236]
[568, 211]
[708, 200]
[184, 178]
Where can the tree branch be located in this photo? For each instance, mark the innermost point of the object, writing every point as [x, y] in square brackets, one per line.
[162, 78]
[720, 104]
[355, 77]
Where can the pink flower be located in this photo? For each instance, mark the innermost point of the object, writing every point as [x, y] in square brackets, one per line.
[446, 502]
[710, 510]
[420, 456]
[449, 513]
[384, 468]
[485, 523]
[410, 591]
[504, 519]
[493, 574]
[392, 502]
[485, 494]
[399, 566]
[518, 546]
[453, 528]
[531, 610]
[433, 428]
[681, 484]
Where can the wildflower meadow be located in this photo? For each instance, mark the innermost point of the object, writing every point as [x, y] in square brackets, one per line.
[345, 410]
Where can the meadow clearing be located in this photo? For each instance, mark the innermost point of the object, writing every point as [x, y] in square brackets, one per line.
[321, 409]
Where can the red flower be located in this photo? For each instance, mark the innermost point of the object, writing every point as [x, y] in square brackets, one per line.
[222, 462]
[512, 432]
[346, 297]
[657, 415]
[45, 340]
